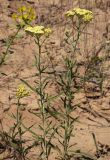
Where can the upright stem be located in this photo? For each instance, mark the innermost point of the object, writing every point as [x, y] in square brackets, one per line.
[41, 94]
[66, 142]
[68, 107]
[68, 96]
[18, 117]
[8, 47]
[79, 31]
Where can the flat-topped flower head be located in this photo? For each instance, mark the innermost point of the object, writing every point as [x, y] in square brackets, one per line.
[21, 91]
[82, 14]
[38, 30]
[87, 17]
[70, 13]
[85, 14]
[24, 16]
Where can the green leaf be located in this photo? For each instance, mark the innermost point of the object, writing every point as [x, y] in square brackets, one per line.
[41, 128]
[25, 82]
[51, 98]
[28, 129]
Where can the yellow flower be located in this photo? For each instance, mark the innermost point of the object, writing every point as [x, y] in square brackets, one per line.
[25, 15]
[47, 31]
[38, 30]
[70, 13]
[88, 17]
[85, 14]
[31, 13]
[79, 11]
[14, 16]
[22, 9]
[82, 14]
[21, 91]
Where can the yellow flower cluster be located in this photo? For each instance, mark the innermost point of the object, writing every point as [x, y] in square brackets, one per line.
[21, 91]
[83, 14]
[47, 31]
[70, 13]
[38, 30]
[87, 17]
[25, 15]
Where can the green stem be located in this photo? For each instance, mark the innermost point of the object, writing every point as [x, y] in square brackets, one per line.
[17, 114]
[8, 47]
[18, 117]
[68, 96]
[41, 94]
[79, 31]
[66, 137]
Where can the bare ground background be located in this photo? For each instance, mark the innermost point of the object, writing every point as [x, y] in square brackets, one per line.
[19, 64]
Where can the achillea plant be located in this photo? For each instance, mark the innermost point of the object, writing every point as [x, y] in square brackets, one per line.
[13, 139]
[21, 92]
[66, 81]
[24, 17]
[47, 129]
[8, 46]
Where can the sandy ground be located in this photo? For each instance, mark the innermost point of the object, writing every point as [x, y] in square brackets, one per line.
[19, 64]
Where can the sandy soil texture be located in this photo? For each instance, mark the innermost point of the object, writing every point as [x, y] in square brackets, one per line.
[94, 113]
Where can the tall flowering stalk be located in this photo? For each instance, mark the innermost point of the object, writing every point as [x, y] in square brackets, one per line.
[17, 129]
[13, 138]
[66, 81]
[82, 17]
[40, 33]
